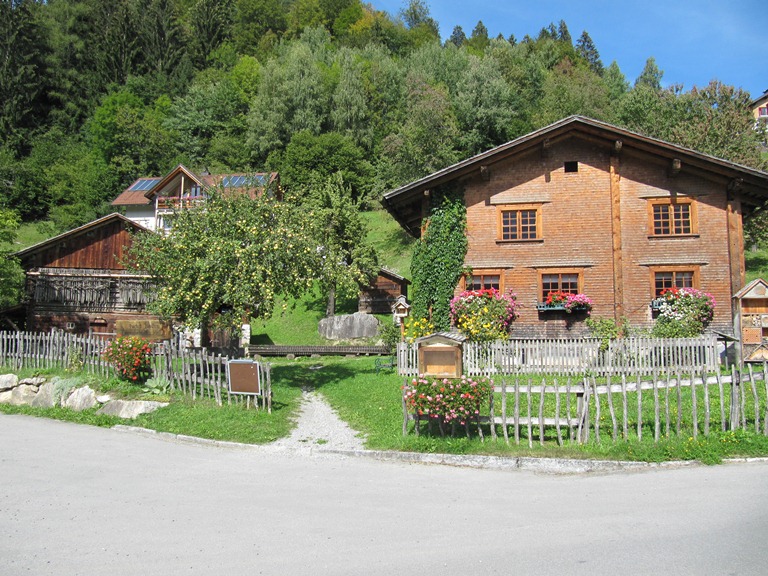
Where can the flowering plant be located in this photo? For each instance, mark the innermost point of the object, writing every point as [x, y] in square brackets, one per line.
[484, 315]
[569, 302]
[448, 400]
[684, 312]
[129, 355]
[416, 328]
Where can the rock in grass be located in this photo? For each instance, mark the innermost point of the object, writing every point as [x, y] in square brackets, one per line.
[8, 382]
[44, 397]
[81, 399]
[129, 408]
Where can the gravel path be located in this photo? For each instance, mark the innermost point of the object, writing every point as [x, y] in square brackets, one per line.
[318, 428]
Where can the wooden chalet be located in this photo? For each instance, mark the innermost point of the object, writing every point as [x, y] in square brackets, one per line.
[379, 297]
[151, 201]
[582, 206]
[78, 282]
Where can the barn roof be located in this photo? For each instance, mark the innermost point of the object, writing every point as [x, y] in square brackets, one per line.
[405, 203]
[45, 244]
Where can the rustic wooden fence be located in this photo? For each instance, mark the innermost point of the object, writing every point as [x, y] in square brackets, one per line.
[579, 409]
[580, 356]
[194, 372]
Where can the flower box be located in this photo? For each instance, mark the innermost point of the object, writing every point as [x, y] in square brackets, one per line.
[656, 303]
[544, 307]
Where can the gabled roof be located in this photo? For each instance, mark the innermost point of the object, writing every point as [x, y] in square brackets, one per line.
[21, 254]
[759, 100]
[758, 288]
[404, 203]
[387, 273]
[143, 191]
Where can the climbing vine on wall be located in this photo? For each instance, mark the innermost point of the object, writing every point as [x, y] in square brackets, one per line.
[438, 260]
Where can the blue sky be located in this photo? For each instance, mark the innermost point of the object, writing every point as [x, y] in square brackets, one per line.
[693, 42]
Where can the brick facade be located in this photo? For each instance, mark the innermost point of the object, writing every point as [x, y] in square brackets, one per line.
[577, 233]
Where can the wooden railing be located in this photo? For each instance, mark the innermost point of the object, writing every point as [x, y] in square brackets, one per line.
[540, 410]
[642, 356]
[194, 372]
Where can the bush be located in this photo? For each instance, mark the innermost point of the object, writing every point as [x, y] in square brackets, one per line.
[484, 315]
[417, 327]
[129, 356]
[683, 313]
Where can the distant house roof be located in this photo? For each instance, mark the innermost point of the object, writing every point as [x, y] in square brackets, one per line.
[143, 191]
[387, 273]
[45, 244]
[405, 203]
[759, 100]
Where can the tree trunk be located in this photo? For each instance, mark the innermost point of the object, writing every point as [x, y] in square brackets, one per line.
[330, 309]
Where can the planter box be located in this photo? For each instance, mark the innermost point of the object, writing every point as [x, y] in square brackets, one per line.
[543, 307]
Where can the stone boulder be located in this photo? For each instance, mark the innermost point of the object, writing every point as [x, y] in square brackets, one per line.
[129, 408]
[349, 326]
[34, 381]
[80, 399]
[44, 397]
[23, 394]
[8, 382]
[5, 396]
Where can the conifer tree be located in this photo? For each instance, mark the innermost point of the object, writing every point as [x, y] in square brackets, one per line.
[587, 50]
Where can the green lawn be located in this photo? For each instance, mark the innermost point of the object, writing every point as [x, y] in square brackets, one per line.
[371, 404]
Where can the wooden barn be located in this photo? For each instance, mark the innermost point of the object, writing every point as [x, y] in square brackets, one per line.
[78, 282]
[382, 293]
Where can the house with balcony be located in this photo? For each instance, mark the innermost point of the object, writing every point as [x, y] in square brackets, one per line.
[152, 201]
[585, 207]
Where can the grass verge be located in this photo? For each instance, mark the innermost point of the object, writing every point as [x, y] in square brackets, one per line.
[371, 404]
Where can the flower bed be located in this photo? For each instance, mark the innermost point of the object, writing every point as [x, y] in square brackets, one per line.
[683, 312]
[448, 400]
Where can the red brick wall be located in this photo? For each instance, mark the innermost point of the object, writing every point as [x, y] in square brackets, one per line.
[576, 232]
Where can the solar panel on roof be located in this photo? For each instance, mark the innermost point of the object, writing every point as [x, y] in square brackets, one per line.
[144, 184]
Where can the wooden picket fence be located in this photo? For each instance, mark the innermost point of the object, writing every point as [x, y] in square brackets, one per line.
[577, 356]
[194, 372]
[565, 408]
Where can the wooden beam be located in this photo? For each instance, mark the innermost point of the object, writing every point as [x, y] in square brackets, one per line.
[618, 262]
[675, 166]
[485, 173]
[617, 145]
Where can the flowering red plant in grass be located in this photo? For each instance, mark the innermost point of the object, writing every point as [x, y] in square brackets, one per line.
[448, 400]
[129, 355]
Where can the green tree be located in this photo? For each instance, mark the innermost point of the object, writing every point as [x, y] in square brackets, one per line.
[254, 20]
[347, 261]
[570, 90]
[23, 74]
[231, 256]
[616, 82]
[587, 50]
[426, 142]
[650, 76]
[211, 23]
[311, 159]
[479, 40]
[457, 37]
[11, 273]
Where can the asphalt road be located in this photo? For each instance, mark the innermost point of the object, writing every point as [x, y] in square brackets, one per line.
[83, 500]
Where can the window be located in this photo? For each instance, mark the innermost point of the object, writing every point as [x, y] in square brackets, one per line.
[762, 111]
[567, 282]
[483, 280]
[673, 278]
[519, 223]
[672, 218]
[571, 167]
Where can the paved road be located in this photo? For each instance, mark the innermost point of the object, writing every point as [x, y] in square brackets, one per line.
[83, 500]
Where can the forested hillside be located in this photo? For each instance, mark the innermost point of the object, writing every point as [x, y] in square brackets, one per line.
[95, 93]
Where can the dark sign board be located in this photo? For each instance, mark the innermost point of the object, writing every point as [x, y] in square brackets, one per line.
[243, 377]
